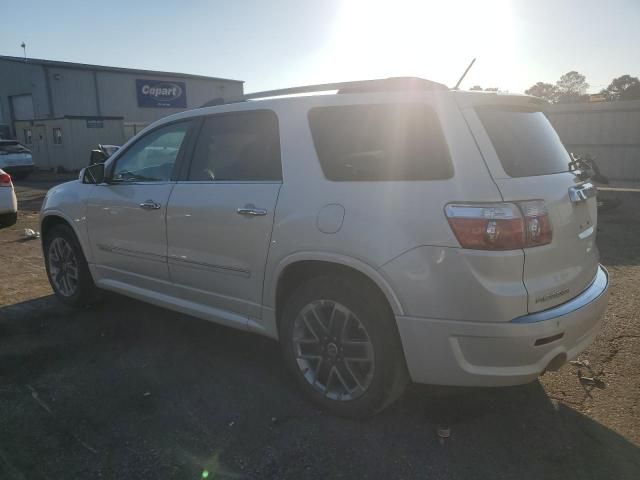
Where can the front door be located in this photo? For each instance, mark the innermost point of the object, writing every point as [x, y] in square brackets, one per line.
[127, 214]
[40, 147]
[220, 217]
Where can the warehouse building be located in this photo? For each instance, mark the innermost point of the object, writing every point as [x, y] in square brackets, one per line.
[62, 110]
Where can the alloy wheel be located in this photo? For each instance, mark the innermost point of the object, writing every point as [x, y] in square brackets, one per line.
[333, 350]
[63, 267]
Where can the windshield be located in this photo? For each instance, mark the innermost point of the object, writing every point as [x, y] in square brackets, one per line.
[13, 147]
[525, 141]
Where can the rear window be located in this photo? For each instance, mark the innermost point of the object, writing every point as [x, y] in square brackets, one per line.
[13, 147]
[525, 141]
[380, 142]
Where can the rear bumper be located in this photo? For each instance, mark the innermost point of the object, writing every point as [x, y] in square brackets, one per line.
[19, 169]
[8, 201]
[446, 352]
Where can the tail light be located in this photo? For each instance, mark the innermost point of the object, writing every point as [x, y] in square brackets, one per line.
[500, 226]
[5, 180]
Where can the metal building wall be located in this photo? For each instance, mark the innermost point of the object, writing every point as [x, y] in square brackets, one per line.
[77, 140]
[23, 78]
[609, 131]
[60, 89]
[118, 95]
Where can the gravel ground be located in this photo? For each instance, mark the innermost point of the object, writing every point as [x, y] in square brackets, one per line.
[127, 390]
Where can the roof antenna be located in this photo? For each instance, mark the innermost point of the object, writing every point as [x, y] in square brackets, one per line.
[464, 74]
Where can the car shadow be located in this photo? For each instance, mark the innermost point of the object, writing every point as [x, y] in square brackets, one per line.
[128, 390]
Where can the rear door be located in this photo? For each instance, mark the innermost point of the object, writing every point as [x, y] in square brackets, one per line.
[220, 215]
[528, 162]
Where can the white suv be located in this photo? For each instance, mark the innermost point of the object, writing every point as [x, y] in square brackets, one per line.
[395, 230]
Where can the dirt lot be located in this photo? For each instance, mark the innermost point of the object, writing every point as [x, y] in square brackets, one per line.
[127, 390]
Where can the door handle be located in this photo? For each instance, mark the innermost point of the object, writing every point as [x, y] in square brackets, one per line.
[150, 205]
[251, 211]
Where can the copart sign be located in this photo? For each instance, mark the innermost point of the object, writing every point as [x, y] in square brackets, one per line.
[161, 94]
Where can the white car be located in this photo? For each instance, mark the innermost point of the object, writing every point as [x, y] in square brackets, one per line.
[395, 230]
[8, 201]
[15, 159]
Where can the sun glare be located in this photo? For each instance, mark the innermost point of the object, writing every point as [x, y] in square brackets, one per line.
[433, 39]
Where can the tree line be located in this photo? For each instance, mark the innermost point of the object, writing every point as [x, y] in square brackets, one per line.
[572, 87]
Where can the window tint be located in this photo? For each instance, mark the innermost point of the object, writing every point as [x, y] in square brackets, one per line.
[380, 142]
[152, 157]
[242, 146]
[525, 141]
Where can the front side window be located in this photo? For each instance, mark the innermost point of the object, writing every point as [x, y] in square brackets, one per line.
[151, 158]
[242, 146]
[57, 136]
[525, 141]
[380, 142]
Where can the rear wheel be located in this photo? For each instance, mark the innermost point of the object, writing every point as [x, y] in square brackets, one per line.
[8, 219]
[342, 347]
[67, 267]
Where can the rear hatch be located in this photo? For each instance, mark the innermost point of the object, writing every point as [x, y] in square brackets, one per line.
[528, 162]
[12, 153]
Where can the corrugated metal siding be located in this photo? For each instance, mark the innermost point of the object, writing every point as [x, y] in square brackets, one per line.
[118, 95]
[72, 92]
[20, 79]
[609, 131]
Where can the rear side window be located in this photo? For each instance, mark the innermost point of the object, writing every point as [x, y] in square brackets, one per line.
[380, 142]
[525, 141]
[243, 146]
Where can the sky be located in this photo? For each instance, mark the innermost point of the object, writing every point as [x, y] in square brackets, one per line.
[283, 43]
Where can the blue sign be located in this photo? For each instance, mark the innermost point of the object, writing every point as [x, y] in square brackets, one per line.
[161, 94]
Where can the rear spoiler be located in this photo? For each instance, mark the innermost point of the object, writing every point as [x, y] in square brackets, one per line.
[477, 99]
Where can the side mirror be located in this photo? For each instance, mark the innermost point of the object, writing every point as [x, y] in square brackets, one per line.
[92, 174]
[97, 156]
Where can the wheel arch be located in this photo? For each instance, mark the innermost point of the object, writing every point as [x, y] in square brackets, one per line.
[51, 219]
[301, 266]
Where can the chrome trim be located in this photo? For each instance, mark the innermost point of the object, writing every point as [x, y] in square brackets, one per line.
[251, 210]
[132, 253]
[586, 233]
[583, 192]
[150, 205]
[592, 293]
[209, 266]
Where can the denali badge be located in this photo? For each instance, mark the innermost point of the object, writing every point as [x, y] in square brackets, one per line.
[552, 295]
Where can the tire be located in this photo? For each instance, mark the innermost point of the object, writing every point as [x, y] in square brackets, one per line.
[8, 219]
[61, 246]
[373, 376]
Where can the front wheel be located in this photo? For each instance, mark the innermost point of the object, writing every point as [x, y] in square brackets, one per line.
[341, 344]
[67, 267]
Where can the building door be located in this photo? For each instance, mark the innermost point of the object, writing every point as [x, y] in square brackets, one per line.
[40, 147]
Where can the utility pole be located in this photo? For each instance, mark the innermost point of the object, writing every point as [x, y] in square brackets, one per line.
[24, 49]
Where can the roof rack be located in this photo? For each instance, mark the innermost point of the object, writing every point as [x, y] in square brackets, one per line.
[392, 84]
